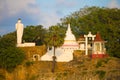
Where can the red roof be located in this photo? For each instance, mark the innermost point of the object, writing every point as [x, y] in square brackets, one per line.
[98, 38]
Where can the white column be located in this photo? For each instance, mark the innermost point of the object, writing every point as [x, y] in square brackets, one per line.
[86, 48]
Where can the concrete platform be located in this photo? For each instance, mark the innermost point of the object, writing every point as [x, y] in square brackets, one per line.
[28, 44]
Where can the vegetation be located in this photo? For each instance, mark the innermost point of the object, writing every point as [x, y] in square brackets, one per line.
[94, 19]
[103, 20]
[28, 63]
[34, 34]
[99, 64]
[101, 74]
[8, 40]
[41, 36]
[10, 56]
[79, 69]
[58, 32]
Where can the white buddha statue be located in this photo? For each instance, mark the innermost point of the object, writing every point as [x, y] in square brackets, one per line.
[19, 28]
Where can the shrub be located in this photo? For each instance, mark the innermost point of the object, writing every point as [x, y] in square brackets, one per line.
[99, 63]
[28, 63]
[101, 74]
[10, 58]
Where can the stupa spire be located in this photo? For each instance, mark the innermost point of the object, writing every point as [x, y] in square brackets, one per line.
[69, 35]
[69, 29]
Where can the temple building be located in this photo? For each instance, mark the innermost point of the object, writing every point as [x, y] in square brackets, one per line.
[92, 45]
[98, 49]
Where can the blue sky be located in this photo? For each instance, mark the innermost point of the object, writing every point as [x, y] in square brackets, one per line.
[43, 12]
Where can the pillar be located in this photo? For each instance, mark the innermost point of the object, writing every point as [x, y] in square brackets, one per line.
[86, 42]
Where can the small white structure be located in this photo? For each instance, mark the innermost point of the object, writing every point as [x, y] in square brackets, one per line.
[65, 52]
[19, 29]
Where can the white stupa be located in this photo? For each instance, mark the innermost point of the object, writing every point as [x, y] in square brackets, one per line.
[65, 52]
[70, 40]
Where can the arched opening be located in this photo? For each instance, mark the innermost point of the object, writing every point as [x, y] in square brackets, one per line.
[36, 57]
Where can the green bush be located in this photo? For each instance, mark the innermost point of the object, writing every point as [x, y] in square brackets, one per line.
[8, 40]
[10, 58]
[28, 63]
[99, 64]
[101, 74]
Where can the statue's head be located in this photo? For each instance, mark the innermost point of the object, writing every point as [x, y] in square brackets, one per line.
[19, 20]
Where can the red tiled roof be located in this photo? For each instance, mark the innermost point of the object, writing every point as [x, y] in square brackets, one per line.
[98, 38]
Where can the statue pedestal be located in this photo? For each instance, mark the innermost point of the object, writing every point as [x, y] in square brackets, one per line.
[26, 45]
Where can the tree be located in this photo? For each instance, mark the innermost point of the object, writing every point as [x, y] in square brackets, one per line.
[94, 19]
[8, 40]
[10, 56]
[34, 34]
[59, 31]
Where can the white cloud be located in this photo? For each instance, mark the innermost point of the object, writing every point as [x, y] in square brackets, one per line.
[12, 8]
[113, 4]
[9, 8]
[49, 19]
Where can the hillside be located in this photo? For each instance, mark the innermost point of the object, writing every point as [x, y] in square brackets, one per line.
[81, 68]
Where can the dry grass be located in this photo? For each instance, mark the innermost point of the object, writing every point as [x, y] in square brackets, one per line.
[80, 68]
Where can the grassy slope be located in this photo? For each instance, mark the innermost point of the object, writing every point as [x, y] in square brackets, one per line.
[80, 68]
